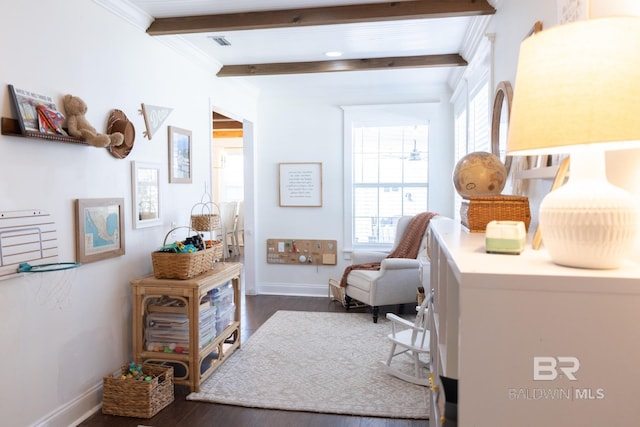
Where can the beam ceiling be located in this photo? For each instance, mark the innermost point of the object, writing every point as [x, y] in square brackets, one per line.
[448, 60]
[332, 15]
[346, 14]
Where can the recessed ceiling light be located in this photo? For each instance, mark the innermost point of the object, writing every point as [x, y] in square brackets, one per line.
[333, 54]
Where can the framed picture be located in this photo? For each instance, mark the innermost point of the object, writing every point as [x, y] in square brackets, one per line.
[179, 155]
[99, 229]
[300, 184]
[145, 194]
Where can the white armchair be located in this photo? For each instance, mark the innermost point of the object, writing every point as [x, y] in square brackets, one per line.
[396, 281]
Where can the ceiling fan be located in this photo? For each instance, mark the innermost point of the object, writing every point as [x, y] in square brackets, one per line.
[414, 155]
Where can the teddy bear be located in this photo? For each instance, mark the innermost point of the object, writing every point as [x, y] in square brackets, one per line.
[78, 125]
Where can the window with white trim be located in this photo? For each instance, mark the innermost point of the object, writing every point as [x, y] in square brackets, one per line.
[386, 174]
[472, 124]
[390, 174]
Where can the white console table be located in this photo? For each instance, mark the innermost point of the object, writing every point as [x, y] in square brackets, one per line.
[495, 314]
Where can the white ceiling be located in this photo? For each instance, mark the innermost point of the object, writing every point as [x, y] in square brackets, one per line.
[361, 40]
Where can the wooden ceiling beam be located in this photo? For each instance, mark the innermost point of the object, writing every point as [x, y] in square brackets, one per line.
[226, 125]
[389, 63]
[346, 14]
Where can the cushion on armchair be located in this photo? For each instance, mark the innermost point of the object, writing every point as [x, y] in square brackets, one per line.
[408, 247]
[377, 279]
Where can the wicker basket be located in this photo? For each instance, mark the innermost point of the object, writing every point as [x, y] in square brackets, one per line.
[205, 222]
[170, 265]
[477, 212]
[420, 294]
[337, 293]
[136, 398]
[204, 218]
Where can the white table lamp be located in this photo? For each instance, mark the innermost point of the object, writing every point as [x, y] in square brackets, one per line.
[577, 91]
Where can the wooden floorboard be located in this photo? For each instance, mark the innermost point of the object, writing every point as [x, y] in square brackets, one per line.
[255, 311]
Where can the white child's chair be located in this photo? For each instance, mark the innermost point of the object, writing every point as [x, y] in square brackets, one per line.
[410, 339]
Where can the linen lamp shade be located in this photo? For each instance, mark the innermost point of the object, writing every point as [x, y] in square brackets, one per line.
[577, 91]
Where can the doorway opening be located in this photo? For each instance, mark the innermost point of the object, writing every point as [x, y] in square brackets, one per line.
[228, 180]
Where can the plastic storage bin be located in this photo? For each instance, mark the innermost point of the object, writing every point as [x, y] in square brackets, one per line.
[224, 318]
[222, 297]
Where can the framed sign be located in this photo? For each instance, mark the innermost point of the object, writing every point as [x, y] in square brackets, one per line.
[99, 229]
[179, 155]
[145, 194]
[300, 184]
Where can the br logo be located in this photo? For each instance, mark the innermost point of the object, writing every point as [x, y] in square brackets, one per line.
[548, 368]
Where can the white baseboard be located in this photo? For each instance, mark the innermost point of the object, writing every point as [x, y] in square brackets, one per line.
[289, 289]
[75, 411]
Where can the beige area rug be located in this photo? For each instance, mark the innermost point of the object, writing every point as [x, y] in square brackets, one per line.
[317, 362]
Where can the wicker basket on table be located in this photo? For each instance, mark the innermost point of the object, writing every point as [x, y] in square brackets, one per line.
[183, 265]
[130, 397]
[205, 219]
[477, 211]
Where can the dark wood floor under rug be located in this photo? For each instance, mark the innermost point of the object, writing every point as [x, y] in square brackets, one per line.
[255, 311]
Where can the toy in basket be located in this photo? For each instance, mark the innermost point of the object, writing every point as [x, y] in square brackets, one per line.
[138, 390]
[185, 259]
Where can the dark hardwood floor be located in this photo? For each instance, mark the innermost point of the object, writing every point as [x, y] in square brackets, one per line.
[255, 311]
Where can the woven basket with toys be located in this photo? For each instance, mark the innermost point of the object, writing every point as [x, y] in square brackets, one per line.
[139, 391]
[185, 259]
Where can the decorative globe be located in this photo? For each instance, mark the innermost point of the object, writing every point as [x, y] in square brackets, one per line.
[479, 174]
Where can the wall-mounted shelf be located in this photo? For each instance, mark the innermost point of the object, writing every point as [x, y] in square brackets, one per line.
[11, 127]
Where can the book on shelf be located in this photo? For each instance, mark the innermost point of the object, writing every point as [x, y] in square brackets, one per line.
[50, 121]
[26, 105]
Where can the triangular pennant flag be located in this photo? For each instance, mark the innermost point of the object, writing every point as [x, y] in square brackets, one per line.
[154, 116]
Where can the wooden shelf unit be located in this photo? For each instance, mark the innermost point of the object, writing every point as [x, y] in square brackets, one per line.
[494, 315]
[199, 363]
[11, 127]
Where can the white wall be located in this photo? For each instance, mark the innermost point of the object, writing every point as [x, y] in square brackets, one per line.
[309, 128]
[55, 355]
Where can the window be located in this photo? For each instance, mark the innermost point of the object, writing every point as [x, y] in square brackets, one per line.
[386, 172]
[479, 132]
[472, 124]
[390, 172]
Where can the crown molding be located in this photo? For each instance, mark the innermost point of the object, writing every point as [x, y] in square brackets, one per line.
[472, 47]
[127, 11]
[474, 36]
[141, 20]
[189, 50]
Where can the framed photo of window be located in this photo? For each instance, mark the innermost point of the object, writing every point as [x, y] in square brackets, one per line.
[99, 229]
[145, 194]
[180, 154]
